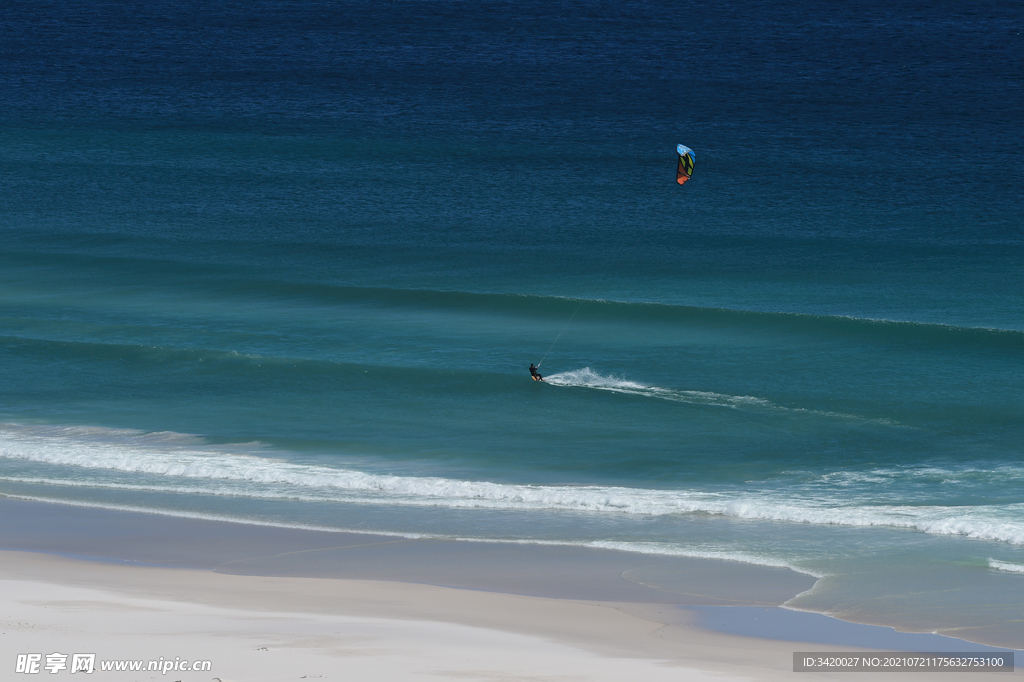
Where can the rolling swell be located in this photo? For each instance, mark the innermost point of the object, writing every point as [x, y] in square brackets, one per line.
[218, 290]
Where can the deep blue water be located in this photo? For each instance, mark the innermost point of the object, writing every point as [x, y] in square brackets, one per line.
[287, 262]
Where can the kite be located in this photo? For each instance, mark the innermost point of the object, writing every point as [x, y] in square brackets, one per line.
[684, 169]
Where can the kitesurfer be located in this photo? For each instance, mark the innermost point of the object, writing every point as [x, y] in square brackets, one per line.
[535, 374]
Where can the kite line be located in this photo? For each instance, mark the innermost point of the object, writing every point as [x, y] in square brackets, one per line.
[580, 306]
[686, 158]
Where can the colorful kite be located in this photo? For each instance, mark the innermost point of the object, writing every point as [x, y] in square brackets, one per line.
[684, 169]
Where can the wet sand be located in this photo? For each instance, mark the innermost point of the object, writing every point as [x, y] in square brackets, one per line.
[266, 603]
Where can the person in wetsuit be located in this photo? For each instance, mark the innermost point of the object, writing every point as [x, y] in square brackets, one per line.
[535, 374]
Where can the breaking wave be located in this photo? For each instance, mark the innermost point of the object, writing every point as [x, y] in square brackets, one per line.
[178, 463]
[1005, 566]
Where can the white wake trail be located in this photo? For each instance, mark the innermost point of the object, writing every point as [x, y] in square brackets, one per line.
[588, 378]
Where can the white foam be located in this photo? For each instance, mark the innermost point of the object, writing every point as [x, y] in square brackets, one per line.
[179, 463]
[664, 549]
[1006, 566]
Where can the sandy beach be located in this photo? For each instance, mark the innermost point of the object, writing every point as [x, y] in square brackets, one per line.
[134, 587]
[259, 628]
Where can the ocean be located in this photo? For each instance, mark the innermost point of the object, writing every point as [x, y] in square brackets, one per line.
[287, 263]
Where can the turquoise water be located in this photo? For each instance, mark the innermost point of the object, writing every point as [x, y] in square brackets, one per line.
[289, 265]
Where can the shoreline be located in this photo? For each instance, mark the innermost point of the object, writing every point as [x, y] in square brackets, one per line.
[717, 616]
[557, 571]
[259, 628]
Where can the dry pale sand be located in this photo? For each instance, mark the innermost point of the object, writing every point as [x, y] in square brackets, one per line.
[256, 628]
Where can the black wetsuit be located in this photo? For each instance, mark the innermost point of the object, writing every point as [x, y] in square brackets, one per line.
[535, 374]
